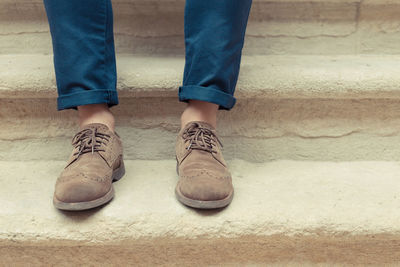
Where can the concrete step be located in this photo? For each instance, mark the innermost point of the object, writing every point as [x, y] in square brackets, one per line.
[275, 27]
[277, 77]
[284, 212]
[289, 107]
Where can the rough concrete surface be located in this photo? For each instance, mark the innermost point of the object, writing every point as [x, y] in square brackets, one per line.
[296, 129]
[283, 211]
[275, 27]
[358, 77]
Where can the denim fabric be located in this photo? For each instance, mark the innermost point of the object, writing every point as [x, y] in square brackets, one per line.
[84, 55]
[214, 37]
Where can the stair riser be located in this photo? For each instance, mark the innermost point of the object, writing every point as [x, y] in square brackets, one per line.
[159, 145]
[256, 129]
[274, 28]
[275, 250]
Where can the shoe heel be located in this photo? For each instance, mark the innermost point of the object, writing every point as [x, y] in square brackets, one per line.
[119, 173]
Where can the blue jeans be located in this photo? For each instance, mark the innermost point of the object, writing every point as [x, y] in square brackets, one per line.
[84, 55]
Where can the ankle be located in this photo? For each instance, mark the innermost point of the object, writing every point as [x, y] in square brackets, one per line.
[96, 113]
[200, 111]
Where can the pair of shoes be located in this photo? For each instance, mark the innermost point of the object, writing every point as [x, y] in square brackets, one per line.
[97, 161]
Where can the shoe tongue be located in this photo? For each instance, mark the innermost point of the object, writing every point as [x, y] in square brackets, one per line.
[98, 126]
[202, 124]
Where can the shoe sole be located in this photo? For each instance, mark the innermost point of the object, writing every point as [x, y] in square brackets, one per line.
[117, 175]
[203, 204]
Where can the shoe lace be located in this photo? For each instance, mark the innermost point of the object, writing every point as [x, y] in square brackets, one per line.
[200, 138]
[89, 140]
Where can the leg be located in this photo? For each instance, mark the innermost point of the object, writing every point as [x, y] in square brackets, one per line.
[200, 111]
[84, 61]
[214, 37]
[96, 113]
[84, 57]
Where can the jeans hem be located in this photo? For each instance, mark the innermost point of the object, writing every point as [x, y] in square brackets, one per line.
[195, 92]
[98, 96]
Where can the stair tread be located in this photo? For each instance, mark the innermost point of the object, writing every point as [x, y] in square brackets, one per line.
[273, 1]
[281, 197]
[32, 76]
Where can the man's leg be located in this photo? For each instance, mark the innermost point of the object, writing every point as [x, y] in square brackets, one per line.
[214, 37]
[84, 60]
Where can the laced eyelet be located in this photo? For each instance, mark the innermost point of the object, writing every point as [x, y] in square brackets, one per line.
[201, 138]
[89, 140]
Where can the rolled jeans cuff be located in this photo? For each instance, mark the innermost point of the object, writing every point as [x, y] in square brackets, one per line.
[195, 92]
[98, 96]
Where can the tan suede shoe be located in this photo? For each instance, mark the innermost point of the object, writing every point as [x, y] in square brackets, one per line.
[204, 179]
[95, 162]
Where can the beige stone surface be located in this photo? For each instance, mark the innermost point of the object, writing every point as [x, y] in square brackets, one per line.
[296, 129]
[275, 27]
[283, 197]
[283, 211]
[351, 77]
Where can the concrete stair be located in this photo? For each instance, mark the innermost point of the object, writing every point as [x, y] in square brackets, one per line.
[311, 142]
[284, 212]
[302, 108]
